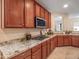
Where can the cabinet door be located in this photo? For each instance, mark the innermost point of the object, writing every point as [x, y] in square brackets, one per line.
[60, 40]
[29, 13]
[48, 47]
[37, 54]
[17, 57]
[29, 57]
[37, 10]
[14, 13]
[42, 13]
[47, 18]
[75, 41]
[53, 42]
[44, 52]
[67, 40]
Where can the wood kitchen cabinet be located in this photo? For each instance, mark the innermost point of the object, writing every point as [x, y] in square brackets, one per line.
[48, 47]
[29, 13]
[42, 13]
[14, 13]
[75, 40]
[67, 40]
[47, 18]
[44, 50]
[21, 13]
[60, 40]
[36, 52]
[24, 55]
[29, 57]
[53, 43]
[37, 10]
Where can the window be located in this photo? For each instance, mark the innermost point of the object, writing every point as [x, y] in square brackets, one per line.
[76, 26]
[58, 23]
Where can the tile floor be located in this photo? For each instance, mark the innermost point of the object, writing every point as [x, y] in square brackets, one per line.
[65, 53]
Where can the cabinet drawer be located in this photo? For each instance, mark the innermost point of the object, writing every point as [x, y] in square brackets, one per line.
[35, 48]
[44, 43]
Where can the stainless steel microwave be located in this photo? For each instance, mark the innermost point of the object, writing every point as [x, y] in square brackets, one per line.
[40, 22]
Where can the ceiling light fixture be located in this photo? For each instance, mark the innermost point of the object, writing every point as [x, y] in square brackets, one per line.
[65, 6]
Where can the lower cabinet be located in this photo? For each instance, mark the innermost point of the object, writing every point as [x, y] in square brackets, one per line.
[75, 40]
[60, 40]
[48, 47]
[36, 52]
[53, 43]
[44, 50]
[29, 57]
[67, 40]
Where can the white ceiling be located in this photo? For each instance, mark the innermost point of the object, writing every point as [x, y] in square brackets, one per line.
[57, 5]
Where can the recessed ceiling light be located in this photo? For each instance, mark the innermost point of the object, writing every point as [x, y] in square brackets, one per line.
[65, 5]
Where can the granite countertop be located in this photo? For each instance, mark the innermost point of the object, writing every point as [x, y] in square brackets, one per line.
[15, 48]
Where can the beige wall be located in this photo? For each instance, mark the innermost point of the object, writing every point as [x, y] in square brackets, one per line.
[67, 24]
[10, 34]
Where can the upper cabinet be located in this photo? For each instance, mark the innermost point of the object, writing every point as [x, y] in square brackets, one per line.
[42, 12]
[21, 13]
[47, 19]
[37, 10]
[29, 13]
[14, 16]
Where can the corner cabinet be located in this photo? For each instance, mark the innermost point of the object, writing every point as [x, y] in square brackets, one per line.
[67, 40]
[14, 13]
[60, 40]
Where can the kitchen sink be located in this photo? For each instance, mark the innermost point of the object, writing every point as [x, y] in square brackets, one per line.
[40, 37]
